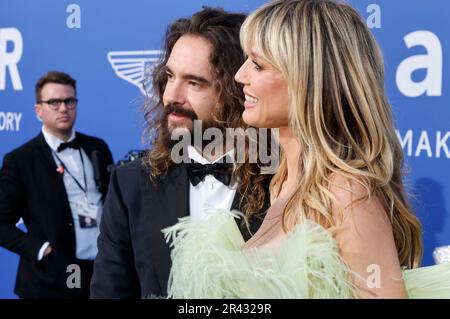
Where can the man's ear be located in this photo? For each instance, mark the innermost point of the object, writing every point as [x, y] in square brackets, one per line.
[38, 110]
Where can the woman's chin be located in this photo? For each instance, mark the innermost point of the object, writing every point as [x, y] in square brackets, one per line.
[250, 119]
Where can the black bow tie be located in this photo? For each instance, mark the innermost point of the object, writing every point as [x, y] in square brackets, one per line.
[72, 144]
[197, 172]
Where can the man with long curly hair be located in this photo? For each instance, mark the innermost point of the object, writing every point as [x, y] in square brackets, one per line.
[193, 82]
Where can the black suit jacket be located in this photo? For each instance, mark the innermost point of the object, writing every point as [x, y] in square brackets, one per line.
[31, 188]
[134, 259]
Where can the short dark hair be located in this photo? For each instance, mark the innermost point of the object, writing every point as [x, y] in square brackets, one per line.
[54, 77]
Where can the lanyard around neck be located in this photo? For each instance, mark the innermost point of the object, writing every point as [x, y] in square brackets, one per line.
[84, 189]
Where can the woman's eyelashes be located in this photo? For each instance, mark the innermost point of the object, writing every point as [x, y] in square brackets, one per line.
[257, 66]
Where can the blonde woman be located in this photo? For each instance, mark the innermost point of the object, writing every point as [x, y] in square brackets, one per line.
[339, 225]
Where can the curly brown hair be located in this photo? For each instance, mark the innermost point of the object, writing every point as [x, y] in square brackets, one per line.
[221, 30]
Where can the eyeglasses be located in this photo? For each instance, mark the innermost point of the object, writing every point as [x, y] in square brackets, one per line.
[55, 104]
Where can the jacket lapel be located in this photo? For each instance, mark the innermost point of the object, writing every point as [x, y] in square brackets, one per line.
[46, 153]
[167, 201]
[85, 145]
[55, 183]
[51, 166]
[99, 170]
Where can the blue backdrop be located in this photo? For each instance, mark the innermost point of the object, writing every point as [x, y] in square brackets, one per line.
[107, 45]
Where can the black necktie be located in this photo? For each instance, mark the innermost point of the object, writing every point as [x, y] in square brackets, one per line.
[72, 144]
[197, 172]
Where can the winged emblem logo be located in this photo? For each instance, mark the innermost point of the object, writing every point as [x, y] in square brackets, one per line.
[135, 67]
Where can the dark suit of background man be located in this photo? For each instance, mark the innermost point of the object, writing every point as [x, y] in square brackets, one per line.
[56, 183]
[195, 80]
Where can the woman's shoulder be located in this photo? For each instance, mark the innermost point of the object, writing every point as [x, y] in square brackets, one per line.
[347, 189]
[354, 198]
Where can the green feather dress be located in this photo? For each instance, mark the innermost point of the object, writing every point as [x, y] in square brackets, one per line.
[207, 262]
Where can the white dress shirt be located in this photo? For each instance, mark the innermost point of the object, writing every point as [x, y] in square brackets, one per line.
[210, 194]
[86, 238]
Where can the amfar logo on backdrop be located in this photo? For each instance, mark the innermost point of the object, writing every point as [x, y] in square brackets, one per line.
[9, 58]
[135, 67]
[425, 143]
[432, 62]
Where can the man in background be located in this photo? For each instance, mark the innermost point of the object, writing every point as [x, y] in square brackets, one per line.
[56, 183]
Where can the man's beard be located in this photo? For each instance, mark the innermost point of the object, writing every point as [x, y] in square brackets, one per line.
[187, 129]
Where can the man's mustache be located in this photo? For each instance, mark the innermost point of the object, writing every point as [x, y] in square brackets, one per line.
[179, 110]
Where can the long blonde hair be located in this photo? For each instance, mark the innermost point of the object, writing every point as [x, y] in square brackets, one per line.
[338, 111]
